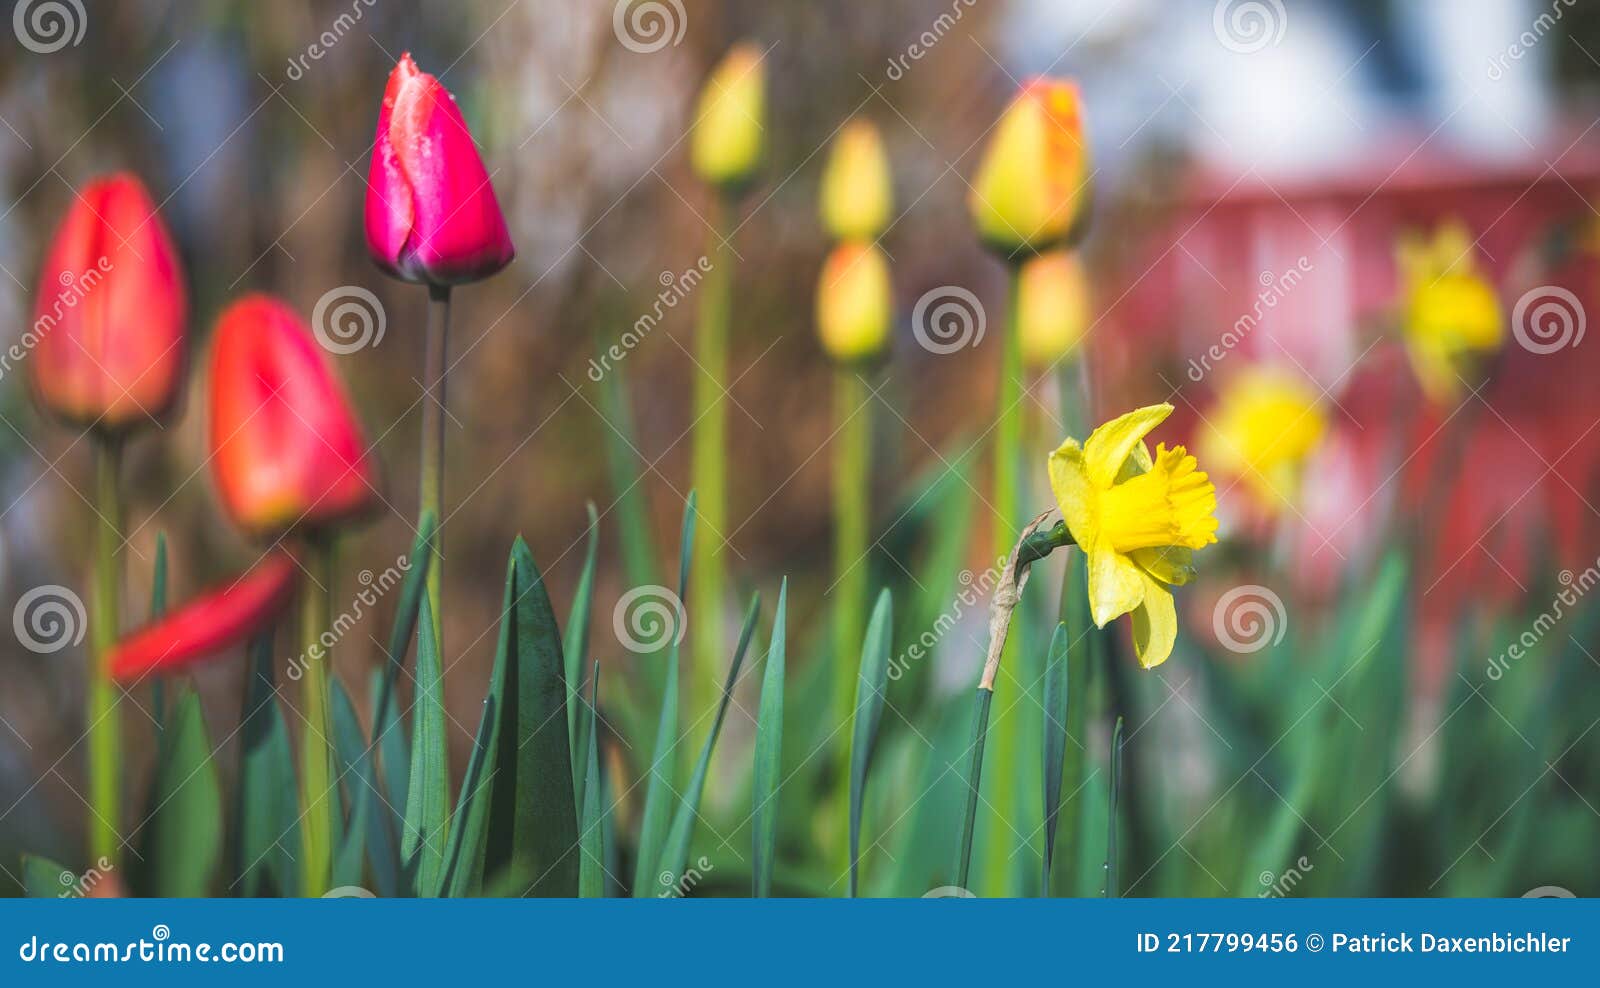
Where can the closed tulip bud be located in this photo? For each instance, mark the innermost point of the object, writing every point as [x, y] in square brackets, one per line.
[1052, 307]
[1032, 188]
[730, 119]
[431, 214]
[857, 190]
[108, 331]
[210, 623]
[854, 302]
[286, 449]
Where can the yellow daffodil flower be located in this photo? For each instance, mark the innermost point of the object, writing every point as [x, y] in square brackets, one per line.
[1452, 315]
[1052, 307]
[854, 302]
[857, 190]
[731, 118]
[1139, 518]
[1267, 422]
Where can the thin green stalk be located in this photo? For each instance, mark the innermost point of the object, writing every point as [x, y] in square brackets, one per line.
[852, 455]
[316, 752]
[709, 454]
[1004, 815]
[105, 733]
[431, 496]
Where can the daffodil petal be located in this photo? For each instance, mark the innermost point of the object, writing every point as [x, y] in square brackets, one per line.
[1112, 444]
[1116, 585]
[1070, 483]
[1137, 463]
[1169, 563]
[1155, 625]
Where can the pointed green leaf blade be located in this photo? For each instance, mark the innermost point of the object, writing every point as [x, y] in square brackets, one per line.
[1055, 739]
[468, 834]
[45, 879]
[183, 838]
[426, 823]
[592, 869]
[768, 757]
[871, 683]
[268, 812]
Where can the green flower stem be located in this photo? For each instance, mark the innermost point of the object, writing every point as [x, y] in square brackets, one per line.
[431, 496]
[1004, 811]
[852, 454]
[709, 467]
[316, 754]
[105, 734]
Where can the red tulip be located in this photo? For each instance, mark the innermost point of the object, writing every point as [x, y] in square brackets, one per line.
[108, 331]
[287, 451]
[210, 623]
[431, 211]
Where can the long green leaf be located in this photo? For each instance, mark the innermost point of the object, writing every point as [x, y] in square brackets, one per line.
[575, 650]
[980, 734]
[158, 607]
[623, 463]
[656, 819]
[355, 772]
[467, 836]
[45, 879]
[534, 818]
[675, 853]
[183, 838]
[871, 682]
[267, 809]
[769, 754]
[428, 803]
[1112, 890]
[591, 833]
[1056, 676]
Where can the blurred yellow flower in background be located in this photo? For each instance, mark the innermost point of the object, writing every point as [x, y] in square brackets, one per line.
[857, 190]
[1032, 187]
[1052, 307]
[1266, 423]
[854, 302]
[730, 118]
[1139, 519]
[1452, 317]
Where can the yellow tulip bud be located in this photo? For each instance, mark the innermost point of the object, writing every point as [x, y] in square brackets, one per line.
[730, 119]
[1052, 307]
[854, 302]
[1452, 320]
[857, 191]
[1032, 188]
